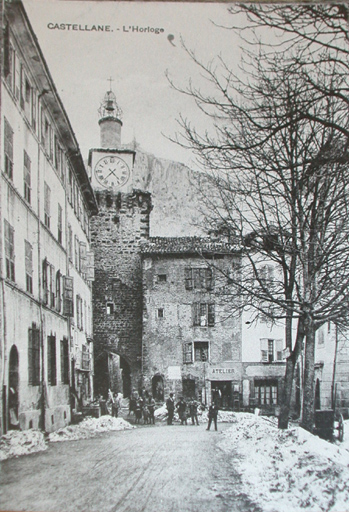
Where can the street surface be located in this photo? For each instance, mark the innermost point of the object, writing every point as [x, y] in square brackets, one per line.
[149, 469]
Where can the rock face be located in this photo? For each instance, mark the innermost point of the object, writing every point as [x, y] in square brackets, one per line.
[174, 196]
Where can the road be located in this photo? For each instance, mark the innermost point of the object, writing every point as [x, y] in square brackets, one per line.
[149, 469]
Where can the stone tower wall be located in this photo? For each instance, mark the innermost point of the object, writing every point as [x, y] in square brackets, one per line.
[116, 235]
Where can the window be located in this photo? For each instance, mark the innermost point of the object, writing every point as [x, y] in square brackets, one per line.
[203, 314]
[77, 252]
[160, 313]
[68, 295]
[162, 278]
[9, 251]
[201, 350]
[34, 355]
[198, 278]
[8, 149]
[79, 313]
[47, 204]
[51, 360]
[27, 177]
[28, 266]
[70, 243]
[52, 286]
[321, 337]
[85, 358]
[60, 224]
[83, 257]
[34, 109]
[45, 281]
[110, 308]
[187, 353]
[271, 350]
[64, 361]
[266, 392]
[58, 291]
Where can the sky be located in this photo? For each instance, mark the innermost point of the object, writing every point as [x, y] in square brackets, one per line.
[82, 61]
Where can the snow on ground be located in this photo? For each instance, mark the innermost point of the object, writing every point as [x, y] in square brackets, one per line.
[18, 442]
[288, 470]
[89, 427]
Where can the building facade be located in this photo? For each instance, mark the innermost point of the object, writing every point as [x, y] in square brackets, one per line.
[46, 265]
[192, 343]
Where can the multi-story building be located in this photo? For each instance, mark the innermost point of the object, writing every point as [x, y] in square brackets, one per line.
[192, 343]
[46, 266]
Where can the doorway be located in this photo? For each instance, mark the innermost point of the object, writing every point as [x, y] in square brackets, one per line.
[221, 393]
[13, 389]
[317, 395]
[157, 385]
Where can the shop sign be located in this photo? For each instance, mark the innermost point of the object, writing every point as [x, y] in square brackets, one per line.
[222, 370]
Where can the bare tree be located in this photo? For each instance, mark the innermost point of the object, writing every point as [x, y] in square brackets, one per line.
[276, 166]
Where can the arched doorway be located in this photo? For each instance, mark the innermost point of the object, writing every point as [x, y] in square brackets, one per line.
[13, 388]
[126, 377]
[157, 386]
[317, 395]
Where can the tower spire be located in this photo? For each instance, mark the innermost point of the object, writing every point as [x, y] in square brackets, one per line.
[110, 123]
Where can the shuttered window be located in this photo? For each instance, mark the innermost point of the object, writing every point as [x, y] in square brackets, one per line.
[27, 177]
[64, 361]
[47, 205]
[187, 353]
[198, 278]
[68, 296]
[8, 149]
[9, 251]
[60, 224]
[28, 266]
[51, 360]
[203, 314]
[34, 355]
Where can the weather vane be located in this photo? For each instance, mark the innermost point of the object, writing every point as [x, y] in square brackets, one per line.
[110, 80]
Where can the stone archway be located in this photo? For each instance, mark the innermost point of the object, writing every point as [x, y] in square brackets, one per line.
[13, 389]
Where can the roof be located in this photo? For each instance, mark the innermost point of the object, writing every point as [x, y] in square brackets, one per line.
[20, 24]
[187, 245]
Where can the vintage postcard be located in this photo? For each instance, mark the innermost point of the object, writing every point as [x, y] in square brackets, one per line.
[174, 256]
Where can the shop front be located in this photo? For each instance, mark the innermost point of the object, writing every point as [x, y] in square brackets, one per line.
[225, 387]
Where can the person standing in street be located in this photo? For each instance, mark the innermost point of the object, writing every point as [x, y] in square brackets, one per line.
[151, 409]
[212, 415]
[182, 411]
[170, 405]
[193, 409]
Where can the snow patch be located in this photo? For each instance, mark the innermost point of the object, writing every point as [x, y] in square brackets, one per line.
[88, 428]
[17, 443]
[288, 470]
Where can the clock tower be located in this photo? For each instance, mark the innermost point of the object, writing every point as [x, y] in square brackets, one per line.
[117, 232]
[111, 168]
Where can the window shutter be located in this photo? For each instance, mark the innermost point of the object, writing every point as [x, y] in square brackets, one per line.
[211, 315]
[90, 266]
[264, 349]
[68, 295]
[30, 357]
[209, 279]
[203, 314]
[196, 313]
[83, 258]
[279, 344]
[188, 278]
[44, 281]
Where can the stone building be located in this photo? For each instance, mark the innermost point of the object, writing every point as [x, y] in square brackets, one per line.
[46, 267]
[192, 344]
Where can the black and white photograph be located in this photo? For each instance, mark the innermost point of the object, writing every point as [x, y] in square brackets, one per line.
[174, 256]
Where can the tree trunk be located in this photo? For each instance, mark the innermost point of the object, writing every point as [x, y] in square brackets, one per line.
[308, 396]
[289, 377]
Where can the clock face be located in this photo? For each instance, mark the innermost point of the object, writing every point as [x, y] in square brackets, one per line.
[112, 171]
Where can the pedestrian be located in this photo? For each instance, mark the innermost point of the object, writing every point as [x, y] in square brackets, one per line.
[182, 411]
[139, 410]
[151, 409]
[193, 409]
[212, 415]
[170, 405]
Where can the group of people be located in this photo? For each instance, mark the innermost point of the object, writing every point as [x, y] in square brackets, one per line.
[182, 408]
[142, 408]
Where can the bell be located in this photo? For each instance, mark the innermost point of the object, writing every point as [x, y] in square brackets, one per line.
[109, 105]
